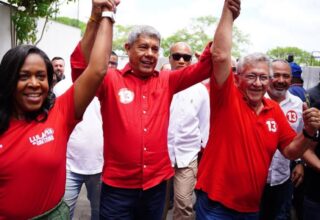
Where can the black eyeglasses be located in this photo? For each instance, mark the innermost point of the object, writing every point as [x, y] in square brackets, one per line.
[177, 56]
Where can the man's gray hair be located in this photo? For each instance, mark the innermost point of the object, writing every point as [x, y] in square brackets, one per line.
[251, 60]
[143, 30]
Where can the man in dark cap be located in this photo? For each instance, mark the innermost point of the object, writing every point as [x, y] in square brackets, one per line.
[296, 87]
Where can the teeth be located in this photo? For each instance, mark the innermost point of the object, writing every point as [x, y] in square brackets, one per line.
[33, 95]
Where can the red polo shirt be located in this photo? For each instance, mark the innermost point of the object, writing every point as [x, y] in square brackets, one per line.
[235, 163]
[33, 161]
[135, 115]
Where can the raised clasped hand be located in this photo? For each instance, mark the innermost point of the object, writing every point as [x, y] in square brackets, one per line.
[235, 7]
[111, 5]
[311, 119]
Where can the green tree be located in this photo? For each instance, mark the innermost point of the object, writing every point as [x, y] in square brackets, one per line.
[72, 22]
[120, 36]
[300, 56]
[196, 36]
[26, 15]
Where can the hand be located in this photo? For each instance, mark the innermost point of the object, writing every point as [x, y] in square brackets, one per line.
[311, 119]
[235, 7]
[109, 5]
[297, 175]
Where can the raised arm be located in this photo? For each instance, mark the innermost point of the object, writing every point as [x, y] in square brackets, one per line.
[86, 85]
[222, 41]
[93, 25]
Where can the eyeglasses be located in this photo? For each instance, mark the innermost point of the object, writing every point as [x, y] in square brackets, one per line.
[251, 78]
[177, 56]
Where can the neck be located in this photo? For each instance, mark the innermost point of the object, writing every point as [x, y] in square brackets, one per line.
[277, 98]
[257, 107]
[140, 76]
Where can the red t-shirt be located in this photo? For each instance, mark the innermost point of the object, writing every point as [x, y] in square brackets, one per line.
[235, 163]
[135, 115]
[33, 162]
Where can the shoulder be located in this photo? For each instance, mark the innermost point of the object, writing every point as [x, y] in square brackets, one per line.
[294, 99]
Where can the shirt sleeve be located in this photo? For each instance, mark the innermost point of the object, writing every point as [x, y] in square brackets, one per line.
[78, 63]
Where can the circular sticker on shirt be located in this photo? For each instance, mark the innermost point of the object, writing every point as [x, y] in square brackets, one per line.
[126, 96]
[292, 116]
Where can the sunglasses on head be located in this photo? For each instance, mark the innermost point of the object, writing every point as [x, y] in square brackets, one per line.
[177, 56]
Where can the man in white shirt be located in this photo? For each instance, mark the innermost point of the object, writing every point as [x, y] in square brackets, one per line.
[188, 132]
[278, 191]
[84, 155]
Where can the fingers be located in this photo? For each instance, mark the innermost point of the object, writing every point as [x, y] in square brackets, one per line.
[305, 106]
[117, 2]
[296, 178]
[311, 118]
[298, 181]
[106, 4]
[235, 7]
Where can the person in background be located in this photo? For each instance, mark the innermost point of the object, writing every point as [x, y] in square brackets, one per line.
[296, 87]
[58, 67]
[113, 62]
[311, 203]
[35, 126]
[277, 194]
[187, 134]
[245, 131]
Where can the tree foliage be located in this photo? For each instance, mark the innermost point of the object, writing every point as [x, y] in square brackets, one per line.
[120, 36]
[26, 15]
[72, 22]
[300, 56]
[195, 34]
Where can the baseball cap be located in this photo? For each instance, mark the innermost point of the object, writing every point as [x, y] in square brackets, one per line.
[296, 70]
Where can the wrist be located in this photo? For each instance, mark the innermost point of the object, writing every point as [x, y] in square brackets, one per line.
[315, 137]
[108, 14]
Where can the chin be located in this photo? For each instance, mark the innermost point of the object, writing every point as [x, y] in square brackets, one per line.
[146, 73]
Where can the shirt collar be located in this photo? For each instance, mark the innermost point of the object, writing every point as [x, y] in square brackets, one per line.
[128, 70]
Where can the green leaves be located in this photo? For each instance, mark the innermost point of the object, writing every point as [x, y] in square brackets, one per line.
[26, 16]
[199, 32]
[300, 56]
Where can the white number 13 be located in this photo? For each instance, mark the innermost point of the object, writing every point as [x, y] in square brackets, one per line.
[272, 126]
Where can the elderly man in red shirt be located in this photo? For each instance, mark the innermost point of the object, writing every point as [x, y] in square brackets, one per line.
[135, 105]
[245, 131]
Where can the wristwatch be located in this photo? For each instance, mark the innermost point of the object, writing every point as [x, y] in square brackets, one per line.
[108, 14]
[316, 137]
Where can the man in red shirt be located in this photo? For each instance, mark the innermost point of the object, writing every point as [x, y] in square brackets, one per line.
[135, 105]
[245, 130]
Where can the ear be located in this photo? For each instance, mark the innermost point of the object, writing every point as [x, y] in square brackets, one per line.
[127, 47]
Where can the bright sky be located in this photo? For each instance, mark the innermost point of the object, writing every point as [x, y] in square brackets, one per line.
[269, 23]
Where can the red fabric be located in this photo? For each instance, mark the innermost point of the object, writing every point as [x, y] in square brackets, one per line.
[235, 163]
[33, 162]
[135, 157]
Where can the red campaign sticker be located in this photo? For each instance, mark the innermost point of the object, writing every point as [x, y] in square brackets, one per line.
[292, 116]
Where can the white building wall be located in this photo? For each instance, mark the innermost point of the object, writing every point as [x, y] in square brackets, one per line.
[5, 29]
[59, 40]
